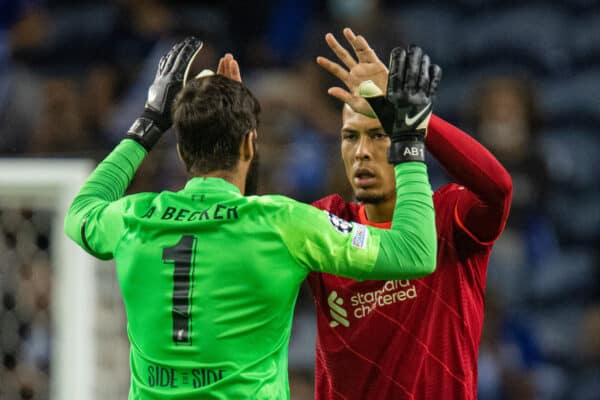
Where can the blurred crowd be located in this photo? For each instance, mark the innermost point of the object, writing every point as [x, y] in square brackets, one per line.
[521, 77]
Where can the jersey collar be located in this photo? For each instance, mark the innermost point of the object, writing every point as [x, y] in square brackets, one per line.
[212, 185]
[362, 218]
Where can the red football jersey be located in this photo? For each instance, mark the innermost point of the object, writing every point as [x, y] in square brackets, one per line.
[415, 339]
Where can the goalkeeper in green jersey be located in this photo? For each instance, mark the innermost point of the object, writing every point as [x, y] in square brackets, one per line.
[210, 276]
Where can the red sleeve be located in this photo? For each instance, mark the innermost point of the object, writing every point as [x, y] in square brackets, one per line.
[483, 209]
[334, 204]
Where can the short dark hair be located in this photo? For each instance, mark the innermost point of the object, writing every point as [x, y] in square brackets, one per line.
[211, 115]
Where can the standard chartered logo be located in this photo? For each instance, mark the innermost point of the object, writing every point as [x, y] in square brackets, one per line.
[363, 303]
[336, 311]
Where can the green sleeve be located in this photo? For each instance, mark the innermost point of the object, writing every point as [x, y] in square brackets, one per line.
[325, 243]
[95, 218]
[409, 248]
[322, 242]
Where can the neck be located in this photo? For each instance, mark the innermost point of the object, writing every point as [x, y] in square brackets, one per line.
[381, 212]
[232, 177]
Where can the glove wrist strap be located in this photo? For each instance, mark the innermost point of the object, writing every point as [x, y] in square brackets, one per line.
[406, 148]
[145, 131]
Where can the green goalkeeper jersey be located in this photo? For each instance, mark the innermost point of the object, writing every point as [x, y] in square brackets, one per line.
[210, 277]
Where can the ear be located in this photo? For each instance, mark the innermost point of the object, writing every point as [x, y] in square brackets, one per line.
[247, 149]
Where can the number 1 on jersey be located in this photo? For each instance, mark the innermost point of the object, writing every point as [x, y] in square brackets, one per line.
[182, 256]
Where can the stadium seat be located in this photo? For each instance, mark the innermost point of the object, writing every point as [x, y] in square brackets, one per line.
[586, 384]
[565, 275]
[478, 5]
[509, 268]
[585, 42]
[459, 85]
[577, 216]
[551, 381]
[572, 101]
[571, 157]
[440, 23]
[453, 94]
[554, 330]
[533, 36]
[89, 21]
[205, 20]
[579, 6]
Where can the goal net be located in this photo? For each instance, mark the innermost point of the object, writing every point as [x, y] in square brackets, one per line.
[62, 325]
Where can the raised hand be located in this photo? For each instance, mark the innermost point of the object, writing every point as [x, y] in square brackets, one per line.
[405, 109]
[355, 69]
[156, 118]
[229, 68]
[413, 80]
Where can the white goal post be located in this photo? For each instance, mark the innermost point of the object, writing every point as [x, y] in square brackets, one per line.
[51, 184]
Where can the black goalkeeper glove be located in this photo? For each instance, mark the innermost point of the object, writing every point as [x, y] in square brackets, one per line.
[156, 118]
[405, 111]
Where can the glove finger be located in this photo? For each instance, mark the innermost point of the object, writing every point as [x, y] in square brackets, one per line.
[165, 59]
[424, 79]
[173, 55]
[187, 53]
[435, 74]
[186, 57]
[183, 54]
[161, 64]
[413, 64]
[396, 71]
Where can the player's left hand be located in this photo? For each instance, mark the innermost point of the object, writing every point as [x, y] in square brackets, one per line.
[156, 118]
[363, 66]
[404, 110]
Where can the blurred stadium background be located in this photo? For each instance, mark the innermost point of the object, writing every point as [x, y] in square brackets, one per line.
[522, 77]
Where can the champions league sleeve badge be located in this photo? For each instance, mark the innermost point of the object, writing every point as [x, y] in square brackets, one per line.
[339, 224]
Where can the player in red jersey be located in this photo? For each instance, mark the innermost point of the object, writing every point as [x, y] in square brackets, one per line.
[407, 339]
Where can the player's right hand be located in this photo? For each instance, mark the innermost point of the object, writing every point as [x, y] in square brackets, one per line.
[156, 118]
[352, 70]
[229, 68]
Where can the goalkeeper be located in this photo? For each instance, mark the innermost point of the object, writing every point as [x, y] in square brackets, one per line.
[209, 276]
